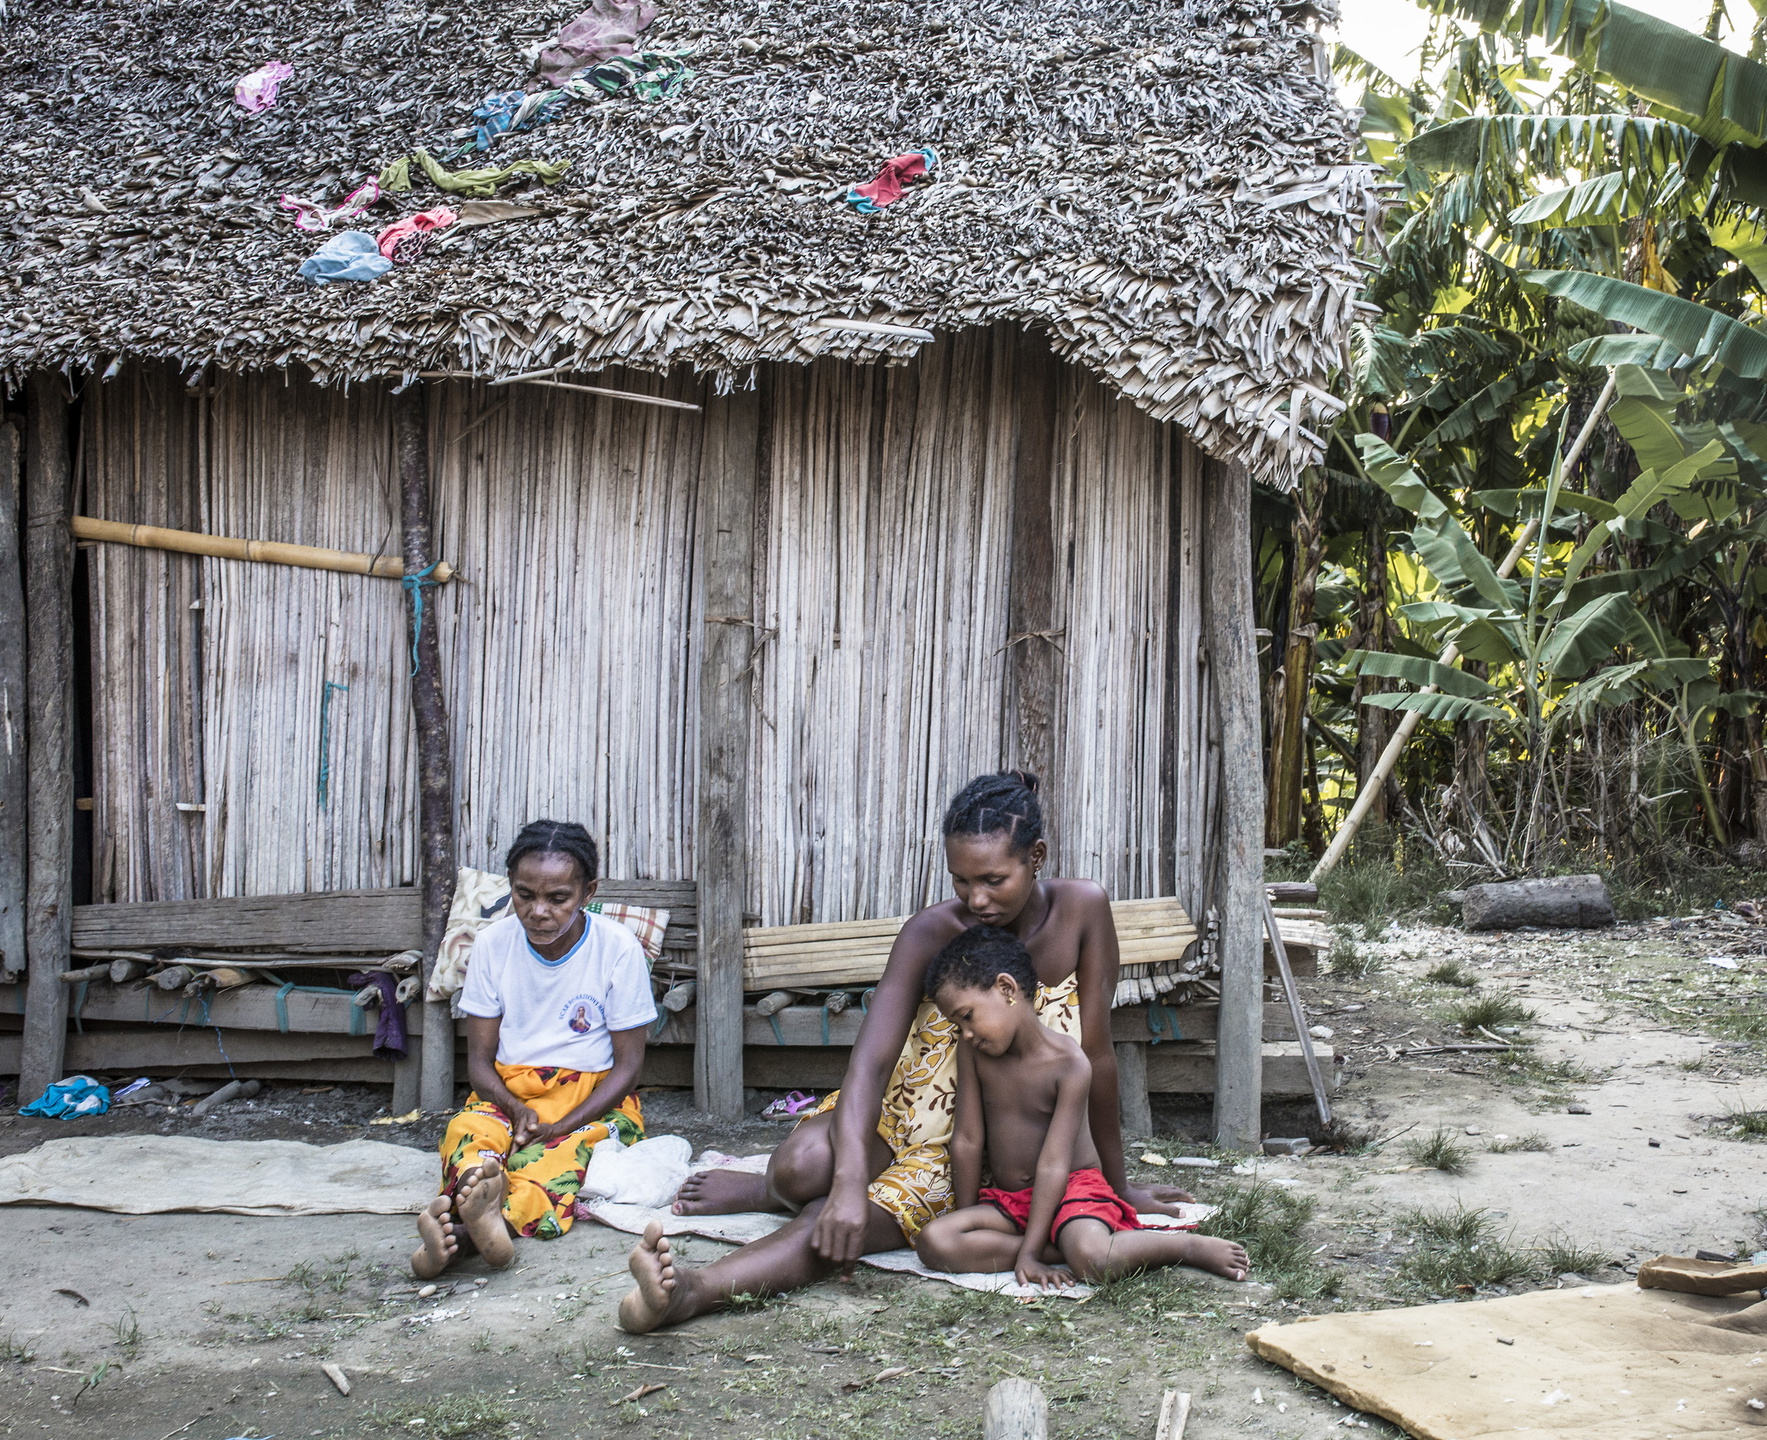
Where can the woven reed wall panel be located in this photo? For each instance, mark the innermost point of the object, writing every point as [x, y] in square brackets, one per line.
[881, 680]
[142, 447]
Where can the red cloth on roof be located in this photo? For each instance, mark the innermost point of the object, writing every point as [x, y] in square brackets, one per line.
[887, 188]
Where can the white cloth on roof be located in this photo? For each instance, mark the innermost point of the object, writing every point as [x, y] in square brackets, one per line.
[559, 1012]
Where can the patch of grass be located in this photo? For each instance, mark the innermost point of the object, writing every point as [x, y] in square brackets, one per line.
[1349, 1138]
[127, 1330]
[1532, 1141]
[1346, 957]
[1563, 1256]
[1268, 1221]
[473, 1414]
[1440, 1151]
[1452, 972]
[1460, 1249]
[1527, 1068]
[1487, 1012]
[747, 1303]
[1747, 1124]
[12, 1348]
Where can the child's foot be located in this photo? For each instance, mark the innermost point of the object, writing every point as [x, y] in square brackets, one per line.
[1221, 1257]
[723, 1192]
[479, 1203]
[653, 1267]
[435, 1227]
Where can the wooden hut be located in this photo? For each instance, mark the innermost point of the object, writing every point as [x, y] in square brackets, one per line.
[773, 521]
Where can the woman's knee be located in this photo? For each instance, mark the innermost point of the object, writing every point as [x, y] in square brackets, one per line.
[802, 1167]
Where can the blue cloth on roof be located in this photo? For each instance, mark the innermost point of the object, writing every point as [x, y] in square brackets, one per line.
[69, 1099]
[351, 255]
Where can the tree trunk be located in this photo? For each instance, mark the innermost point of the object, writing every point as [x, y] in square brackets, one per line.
[1294, 681]
[12, 715]
[1233, 662]
[429, 714]
[1374, 725]
[49, 662]
[1030, 604]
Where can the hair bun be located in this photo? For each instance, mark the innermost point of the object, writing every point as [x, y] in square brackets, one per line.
[1025, 778]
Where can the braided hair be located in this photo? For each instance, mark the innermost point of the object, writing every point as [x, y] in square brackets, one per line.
[557, 837]
[976, 957]
[1005, 803]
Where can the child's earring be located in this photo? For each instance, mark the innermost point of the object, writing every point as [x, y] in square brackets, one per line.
[1012, 999]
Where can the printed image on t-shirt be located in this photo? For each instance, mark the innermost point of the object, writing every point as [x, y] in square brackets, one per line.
[583, 1013]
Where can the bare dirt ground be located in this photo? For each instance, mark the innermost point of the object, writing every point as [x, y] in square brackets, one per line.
[209, 1327]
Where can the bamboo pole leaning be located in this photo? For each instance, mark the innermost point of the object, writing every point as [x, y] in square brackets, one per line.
[273, 552]
[1377, 778]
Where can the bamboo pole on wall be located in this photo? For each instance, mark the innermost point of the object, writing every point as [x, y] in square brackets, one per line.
[270, 552]
[12, 715]
[435, 803]
[49, 657]
[1239, 1050]
[729, 475]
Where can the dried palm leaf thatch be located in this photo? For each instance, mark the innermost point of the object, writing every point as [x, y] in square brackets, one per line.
[1162, 189]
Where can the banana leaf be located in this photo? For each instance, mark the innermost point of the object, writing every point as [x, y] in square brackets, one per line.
[1579, 642]
[1645, 351]
[1698, 330]
[1603, 200]
[1418, 671]
[1437, 706]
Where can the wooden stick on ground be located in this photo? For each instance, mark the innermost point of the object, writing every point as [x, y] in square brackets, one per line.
[1377, 777]
[1296, 1013]
[271, 552]
[1174, 1416]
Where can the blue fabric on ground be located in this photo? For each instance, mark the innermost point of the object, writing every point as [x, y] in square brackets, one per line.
[69, 1099]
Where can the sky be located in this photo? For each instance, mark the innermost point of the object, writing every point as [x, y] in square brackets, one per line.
[1388, 32]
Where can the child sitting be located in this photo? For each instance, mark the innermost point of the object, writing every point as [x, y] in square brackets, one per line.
[1021, 1099]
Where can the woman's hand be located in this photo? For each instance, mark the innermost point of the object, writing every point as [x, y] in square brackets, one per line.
[839, 1236]
[524, 1125]
[1157, 1199]
[1032, 1271]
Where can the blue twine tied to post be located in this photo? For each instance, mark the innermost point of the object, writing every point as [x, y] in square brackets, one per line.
[325, 741]
[413, 585]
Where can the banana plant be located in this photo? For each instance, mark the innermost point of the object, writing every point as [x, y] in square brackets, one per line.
[1547, 643]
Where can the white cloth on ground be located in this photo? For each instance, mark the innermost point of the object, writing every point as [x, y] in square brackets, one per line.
[154, 1174]
[559, 1012]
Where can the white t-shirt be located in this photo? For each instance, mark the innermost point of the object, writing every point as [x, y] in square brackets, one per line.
[559, 1012]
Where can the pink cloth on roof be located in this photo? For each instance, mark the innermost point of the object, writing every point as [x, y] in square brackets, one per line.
[887, 188]
[438, 219]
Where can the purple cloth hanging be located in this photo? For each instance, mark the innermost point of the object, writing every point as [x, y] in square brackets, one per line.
[389, 1030]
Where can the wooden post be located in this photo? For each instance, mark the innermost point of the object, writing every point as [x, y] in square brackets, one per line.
[49, 689]
[1239, 891]
[1015, 1410]
[1030, 606]
[435, 773]
[1133, 1106]
[12, 715]
[729, 472]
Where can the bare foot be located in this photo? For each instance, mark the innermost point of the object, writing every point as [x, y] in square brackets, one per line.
[653, 1267]
[1222, 1257]
[435, 1227]
[724, 1192]
[480, 1206]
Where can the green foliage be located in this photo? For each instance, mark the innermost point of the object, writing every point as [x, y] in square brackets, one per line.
[1553, 231]
[1459, 1249]
[1487, 1012]
[1439, 1150]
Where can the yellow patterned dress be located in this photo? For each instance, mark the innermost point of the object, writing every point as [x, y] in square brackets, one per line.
[919, 1107]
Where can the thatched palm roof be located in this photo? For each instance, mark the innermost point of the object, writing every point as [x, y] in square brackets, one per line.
[1163, 188]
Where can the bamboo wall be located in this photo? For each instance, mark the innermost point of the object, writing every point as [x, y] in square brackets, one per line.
[881, 679]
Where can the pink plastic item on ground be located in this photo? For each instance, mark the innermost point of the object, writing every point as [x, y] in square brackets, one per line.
[607, 28]
[412, 225]
[257, 91]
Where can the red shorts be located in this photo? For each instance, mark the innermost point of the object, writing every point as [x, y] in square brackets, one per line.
[1088, 1197]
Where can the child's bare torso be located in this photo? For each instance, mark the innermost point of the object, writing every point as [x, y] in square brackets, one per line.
[1018, 1103]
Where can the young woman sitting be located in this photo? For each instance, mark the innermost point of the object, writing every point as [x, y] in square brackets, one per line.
[556, 1003]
